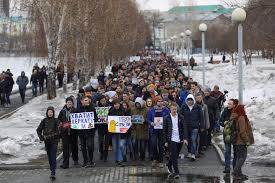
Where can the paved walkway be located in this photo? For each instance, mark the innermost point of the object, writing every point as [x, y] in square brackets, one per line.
[206, 169]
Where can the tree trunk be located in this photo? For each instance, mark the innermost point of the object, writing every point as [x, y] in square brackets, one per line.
[65, 79]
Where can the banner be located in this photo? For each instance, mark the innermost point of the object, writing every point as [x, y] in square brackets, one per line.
[102, 114]
[137, 119]
[158, 123]
[84, 120]
[119, 124]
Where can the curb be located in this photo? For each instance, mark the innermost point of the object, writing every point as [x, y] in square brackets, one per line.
[219, 152]
[23, 167]
[28, 167]
[10, 113]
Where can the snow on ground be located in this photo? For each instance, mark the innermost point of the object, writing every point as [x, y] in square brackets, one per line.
[18, 64]
[259, 98]
[18, 139]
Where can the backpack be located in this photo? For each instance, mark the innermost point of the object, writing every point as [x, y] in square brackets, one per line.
[249, 131]
[230, 132]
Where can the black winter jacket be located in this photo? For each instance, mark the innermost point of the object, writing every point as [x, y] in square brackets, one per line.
[168, 127]
[213, 107]
[193, 118]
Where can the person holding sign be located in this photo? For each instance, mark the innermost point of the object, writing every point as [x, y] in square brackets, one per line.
[155, 120]
[118, 139]
[87, 135]
[193, 115]
[140, 134]
[102, 129]
[175, 133]
[69, 136]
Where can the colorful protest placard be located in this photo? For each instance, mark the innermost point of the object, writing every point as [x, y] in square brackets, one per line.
[158, 123]
[81, 121]
[102, 114]
[119, 124]
[137, 119]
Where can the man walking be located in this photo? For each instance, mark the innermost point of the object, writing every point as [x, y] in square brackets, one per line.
[175, 133]
[22, 82]
[194, 118]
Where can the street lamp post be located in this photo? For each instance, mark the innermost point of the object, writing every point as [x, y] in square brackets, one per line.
[182, 47]
[203, 29]
[188, 34]
[168, 46]
[239, 16]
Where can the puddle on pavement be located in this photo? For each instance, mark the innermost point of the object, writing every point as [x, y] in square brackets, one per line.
[162, 177]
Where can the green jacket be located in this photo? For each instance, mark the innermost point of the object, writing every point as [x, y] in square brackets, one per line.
[140, 131]
[225, 116]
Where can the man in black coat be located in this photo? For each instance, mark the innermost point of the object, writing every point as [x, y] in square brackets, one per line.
[175, 133]
[69, 136]
[193, 116]
[8, 85]
[213, 109]
[22, 82]
[87, 135]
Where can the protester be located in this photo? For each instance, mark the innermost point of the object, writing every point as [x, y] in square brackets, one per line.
[87, 135]
[213, 112]
[204, 126]
[194, 118]
[155, 120]
[225, 117]
[48, 131]
[242, 139]
[69, 136]
[175, 133]
[118, 140]
[140, 134]
[22, 82]
[103, 135]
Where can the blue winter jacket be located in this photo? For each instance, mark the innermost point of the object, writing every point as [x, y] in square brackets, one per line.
[152, 114]
[183, 95]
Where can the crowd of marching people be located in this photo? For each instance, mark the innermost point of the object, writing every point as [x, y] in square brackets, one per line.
[175, 111]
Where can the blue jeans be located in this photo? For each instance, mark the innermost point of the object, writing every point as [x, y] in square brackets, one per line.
[227, 156]
[34, 89]
[51, 148]
[139, 148]
[118, 146]
[192, 142]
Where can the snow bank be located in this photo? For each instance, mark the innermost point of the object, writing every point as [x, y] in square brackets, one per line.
[18, 139]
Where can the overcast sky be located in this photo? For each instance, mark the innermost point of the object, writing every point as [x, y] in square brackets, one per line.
[164, 5]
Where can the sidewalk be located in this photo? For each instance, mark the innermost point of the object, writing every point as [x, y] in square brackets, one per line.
[206, 169]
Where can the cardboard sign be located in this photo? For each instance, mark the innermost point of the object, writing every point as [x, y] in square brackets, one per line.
[158, 123]
[119, 124]
[137, 119]
[84, 120]
[102, 114]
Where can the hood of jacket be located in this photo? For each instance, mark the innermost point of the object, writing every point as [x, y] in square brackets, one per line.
[50, 108]
[140, 101]
[188, 97]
